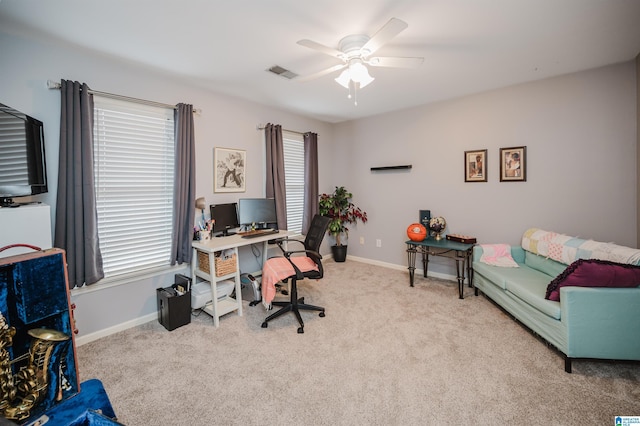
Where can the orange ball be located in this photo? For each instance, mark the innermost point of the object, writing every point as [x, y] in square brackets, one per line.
[416, 232]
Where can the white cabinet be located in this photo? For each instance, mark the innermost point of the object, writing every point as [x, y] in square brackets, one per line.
[27, 224]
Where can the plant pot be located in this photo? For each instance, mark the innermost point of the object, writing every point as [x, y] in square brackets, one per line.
[339, 253]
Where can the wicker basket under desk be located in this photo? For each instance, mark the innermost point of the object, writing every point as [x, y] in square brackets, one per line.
[224, 266]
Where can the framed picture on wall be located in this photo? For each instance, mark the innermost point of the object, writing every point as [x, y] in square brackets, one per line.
[229, 170]
[513, 164]
[475, 166]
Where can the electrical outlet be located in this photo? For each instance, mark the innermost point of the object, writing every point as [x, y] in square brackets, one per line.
[362, 240]
[378, 243]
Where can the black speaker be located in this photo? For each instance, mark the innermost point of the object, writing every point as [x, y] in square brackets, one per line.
[425, 216]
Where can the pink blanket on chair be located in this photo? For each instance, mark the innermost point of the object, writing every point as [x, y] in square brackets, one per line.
[279, 268]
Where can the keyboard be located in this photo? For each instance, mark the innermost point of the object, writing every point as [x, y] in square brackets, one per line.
[259, 233]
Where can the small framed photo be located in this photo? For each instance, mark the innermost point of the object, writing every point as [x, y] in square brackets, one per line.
[513, 164]
[229, 170]
[475, 166]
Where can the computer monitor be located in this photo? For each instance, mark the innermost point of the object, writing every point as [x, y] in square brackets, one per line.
[225, 217]
[258, 211]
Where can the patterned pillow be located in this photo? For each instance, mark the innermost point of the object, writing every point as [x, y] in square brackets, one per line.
[594, 273]
[497, 255]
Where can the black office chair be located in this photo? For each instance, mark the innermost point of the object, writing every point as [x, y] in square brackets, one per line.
[311, 244]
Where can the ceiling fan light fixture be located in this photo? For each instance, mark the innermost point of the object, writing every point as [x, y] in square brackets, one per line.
[344, 78]
[357, 72]
[355, 53]
[365, 80]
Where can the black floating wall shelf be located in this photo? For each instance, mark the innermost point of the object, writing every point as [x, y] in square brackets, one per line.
[376, 169]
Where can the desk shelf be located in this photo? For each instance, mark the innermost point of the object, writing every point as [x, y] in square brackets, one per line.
[223, 307]
[217, 308]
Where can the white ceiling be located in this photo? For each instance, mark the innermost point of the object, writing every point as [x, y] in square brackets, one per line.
[469, 46]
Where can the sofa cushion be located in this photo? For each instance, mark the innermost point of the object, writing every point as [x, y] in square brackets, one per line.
[543, 264]
[530, 287]
[594, 273]
[498, 275]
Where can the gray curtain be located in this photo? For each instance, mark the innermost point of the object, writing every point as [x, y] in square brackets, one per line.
[310, 179]
[185, 185]
[76, 227]
[275, 187]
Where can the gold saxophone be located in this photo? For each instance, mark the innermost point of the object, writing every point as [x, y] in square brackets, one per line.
[7, 387]
[24, 390]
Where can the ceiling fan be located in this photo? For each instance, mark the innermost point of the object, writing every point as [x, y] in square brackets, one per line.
[355, 52]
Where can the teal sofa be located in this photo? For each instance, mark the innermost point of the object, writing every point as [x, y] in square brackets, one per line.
[587, 322]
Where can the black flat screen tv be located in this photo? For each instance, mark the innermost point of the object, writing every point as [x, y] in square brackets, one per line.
[225, 217]
[23, 170]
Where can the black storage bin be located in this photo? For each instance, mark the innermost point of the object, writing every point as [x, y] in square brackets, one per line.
[174, 310]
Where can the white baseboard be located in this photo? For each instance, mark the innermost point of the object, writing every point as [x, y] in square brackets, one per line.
[418, 272]
[81, 340]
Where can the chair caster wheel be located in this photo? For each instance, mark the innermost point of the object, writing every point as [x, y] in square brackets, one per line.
[321, 314]
[265, 324]
[300, 330]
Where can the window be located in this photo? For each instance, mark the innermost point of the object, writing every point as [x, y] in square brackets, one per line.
[294, 179]
[134, 172]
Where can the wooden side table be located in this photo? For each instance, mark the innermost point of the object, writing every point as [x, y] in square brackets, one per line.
[460, 252]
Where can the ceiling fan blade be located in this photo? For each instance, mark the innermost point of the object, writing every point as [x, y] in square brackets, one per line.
[321, 48]
[395, 62]
[321, 73]
[391, 29]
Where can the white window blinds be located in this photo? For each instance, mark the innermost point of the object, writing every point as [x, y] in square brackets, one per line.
[134, 153]
[294, 179]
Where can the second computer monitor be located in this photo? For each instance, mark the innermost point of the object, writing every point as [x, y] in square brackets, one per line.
[260, 212]
[225, 217]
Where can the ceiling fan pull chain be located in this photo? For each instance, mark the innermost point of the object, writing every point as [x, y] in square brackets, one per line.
[355, 93]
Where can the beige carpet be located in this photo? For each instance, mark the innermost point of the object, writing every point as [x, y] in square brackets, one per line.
[385, 354]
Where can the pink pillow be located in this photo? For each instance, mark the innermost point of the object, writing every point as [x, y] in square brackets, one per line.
[497, 255]
[594, 273]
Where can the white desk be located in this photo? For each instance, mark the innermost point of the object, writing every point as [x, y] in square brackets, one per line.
[217, 308]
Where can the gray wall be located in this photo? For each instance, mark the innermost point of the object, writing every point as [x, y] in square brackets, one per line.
[579, 129]
[580, 133]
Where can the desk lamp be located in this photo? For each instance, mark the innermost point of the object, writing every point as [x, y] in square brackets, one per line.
[201, 204]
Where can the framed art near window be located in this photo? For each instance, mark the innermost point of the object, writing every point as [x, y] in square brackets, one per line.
[229, 170]
[475, 166]
[513, 164]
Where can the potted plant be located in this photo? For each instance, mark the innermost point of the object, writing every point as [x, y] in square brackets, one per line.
[342, 211]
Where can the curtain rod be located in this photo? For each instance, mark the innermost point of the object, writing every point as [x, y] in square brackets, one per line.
[55, 85]
[263, 126]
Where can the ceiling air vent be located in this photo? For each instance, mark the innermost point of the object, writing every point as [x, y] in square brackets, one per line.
[282, 72]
